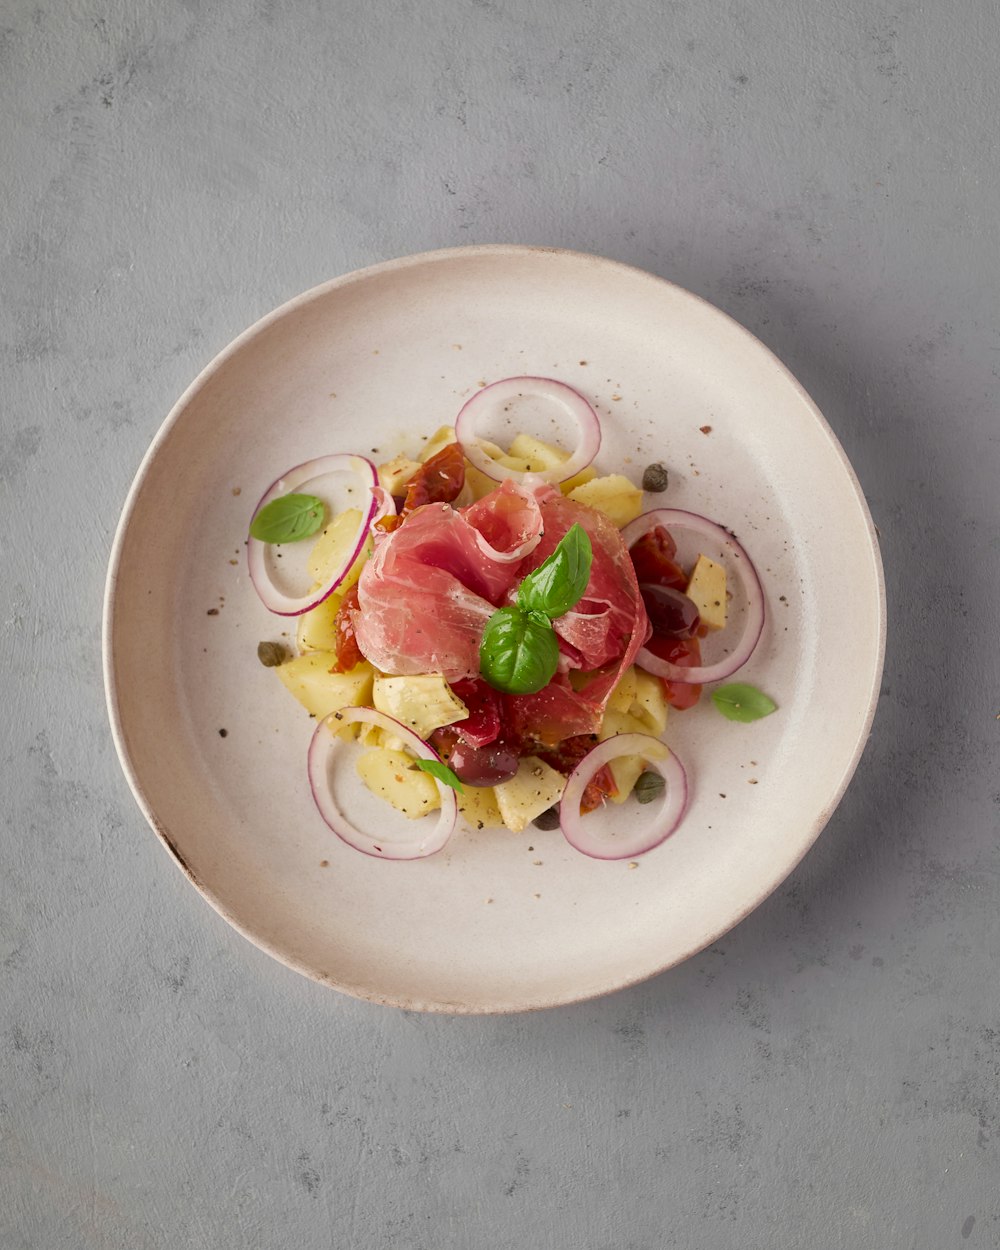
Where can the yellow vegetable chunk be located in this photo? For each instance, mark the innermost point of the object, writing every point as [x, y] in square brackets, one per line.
[391, 775]
[706, 588]
[375, 736]
[613, 495]
[646, 714]
[478, 805]
[649, 706]
[623, 695]
[526, 454]
[423, 703]
[394, 475]
[538, 455]
[332, 548]
[585, 475]
[477, 483]
[626, 770]
[371, 735]
[315, 631]
[314, 681]
[533, 789]
[515, 463]
[505, 459]
[439, 440]
[620, 723]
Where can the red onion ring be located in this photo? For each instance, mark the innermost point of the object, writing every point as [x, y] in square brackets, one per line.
[272, 596]
[512, 388]
[385, 506]
[753, 626]
[582, 833]
[323, 748]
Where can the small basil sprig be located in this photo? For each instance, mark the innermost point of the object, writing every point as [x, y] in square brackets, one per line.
[288, 519]
[519, 652]
[559, 582]
[439, 770]
[741, 702]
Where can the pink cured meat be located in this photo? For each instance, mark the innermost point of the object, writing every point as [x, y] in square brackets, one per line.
[602, 634]
[433, 583]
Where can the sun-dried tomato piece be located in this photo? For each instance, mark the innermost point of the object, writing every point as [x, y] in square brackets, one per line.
[440, 480]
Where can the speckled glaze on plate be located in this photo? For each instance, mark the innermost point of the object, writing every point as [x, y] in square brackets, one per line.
[495, 922]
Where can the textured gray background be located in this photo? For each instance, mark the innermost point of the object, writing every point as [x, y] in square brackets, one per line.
[827, 1076]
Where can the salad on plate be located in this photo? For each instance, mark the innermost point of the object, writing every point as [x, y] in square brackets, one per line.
[494, 638]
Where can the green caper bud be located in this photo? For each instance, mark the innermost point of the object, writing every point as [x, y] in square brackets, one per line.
[649, 787]
[655, 478]
[271, 654]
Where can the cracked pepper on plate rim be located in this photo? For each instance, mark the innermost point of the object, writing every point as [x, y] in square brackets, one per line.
[495, 922]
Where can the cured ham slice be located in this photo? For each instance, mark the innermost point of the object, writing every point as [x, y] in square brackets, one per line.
[600, 637]
[433, 583]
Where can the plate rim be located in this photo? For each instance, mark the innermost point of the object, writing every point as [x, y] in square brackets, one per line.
[112, 694]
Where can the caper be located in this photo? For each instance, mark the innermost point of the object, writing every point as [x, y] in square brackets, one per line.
[271, 654]
[548, 820]
[655, 478]
[649, 787]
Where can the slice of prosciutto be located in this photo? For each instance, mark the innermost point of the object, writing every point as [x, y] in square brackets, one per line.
[599, 638]
[433, 583]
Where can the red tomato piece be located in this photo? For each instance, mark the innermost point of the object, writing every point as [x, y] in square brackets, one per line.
[685, 652]
[440, 480]
[600, 787]
[348, 652]
[482, 725]
[565, 755]
[654, 560]
[564, 758]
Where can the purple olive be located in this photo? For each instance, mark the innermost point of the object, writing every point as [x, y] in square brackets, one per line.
[483, 766]
[671, 613]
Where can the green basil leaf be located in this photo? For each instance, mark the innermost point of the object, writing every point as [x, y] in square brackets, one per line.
[519, 652]
[288, 519]
[558, 584]
[441, 771]
[738, 701]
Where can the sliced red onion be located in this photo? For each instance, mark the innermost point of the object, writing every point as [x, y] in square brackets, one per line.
[675, 518]
[272, 596]
[385, 506]
[322, 751]
[633, 836]
[512, 388]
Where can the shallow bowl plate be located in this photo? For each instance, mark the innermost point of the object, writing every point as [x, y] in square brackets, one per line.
[495, 922]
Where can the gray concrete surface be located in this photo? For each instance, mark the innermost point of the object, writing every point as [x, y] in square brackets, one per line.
[828, 1075]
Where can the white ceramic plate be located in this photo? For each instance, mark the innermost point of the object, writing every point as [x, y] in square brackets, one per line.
[371, 360]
